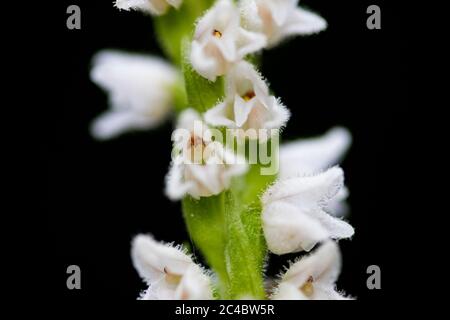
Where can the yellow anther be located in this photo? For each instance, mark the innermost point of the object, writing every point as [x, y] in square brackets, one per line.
[248, 96]
[308, 288]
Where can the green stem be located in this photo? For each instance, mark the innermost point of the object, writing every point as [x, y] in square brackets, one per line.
[226, 228]
[229, 236]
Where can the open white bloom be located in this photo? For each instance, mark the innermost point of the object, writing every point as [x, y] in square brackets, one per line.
[294, 212]
[278, 19]
[313, 277]
[139, 89]
[170, 273]
[248, 103]
[200, 166]
[219, 41]
[310, 156]
[154, 7]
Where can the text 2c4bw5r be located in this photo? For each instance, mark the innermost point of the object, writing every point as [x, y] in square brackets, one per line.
[246, 309]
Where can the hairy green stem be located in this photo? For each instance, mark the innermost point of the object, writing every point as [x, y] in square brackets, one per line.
[226, 228]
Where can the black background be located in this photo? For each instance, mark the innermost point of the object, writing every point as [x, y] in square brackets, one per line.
[98, 195]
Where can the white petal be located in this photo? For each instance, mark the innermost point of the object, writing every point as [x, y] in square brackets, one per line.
[205, 65]
[210, 56]
[250, 42]
[262, 111]
[320, 268]
[323, 265]
[309, 196]
[210, 178]
[218, 116]
[205, 176]
[242, 77]
[136, 84]
[153, 259]
[195, 285]
[303, 22]
[328, 292]
[207, 21]
[306, 191]
[175, 3]
[227, 47]
[242, 110]
[338, 206]
[279, 114]
[308, 156]
[207, 179]
[169, 272]
[219, 41]
[287, 229]
[113, 123]
[187, 118]
[250, 17]
[287, 291]
[237, 166]
[338, 229]
[278, 19]
[156, 7]
[176, 187]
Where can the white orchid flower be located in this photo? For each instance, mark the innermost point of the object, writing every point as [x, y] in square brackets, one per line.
[312, 277]
[200, 167]
[313, 155]
[169, 271]
[294, 212]
[219, 41]
[139, 89]
[248, 103]
[154, 7]
[309, 156]
[278, 19]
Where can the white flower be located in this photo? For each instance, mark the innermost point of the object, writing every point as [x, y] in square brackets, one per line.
[200, 167]
[278, 19]
[294, 212]
[219, 41]
[170, 273]
[139, 89]
[313, 277]
[154, 7]
[310, 156]
[248, 103]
